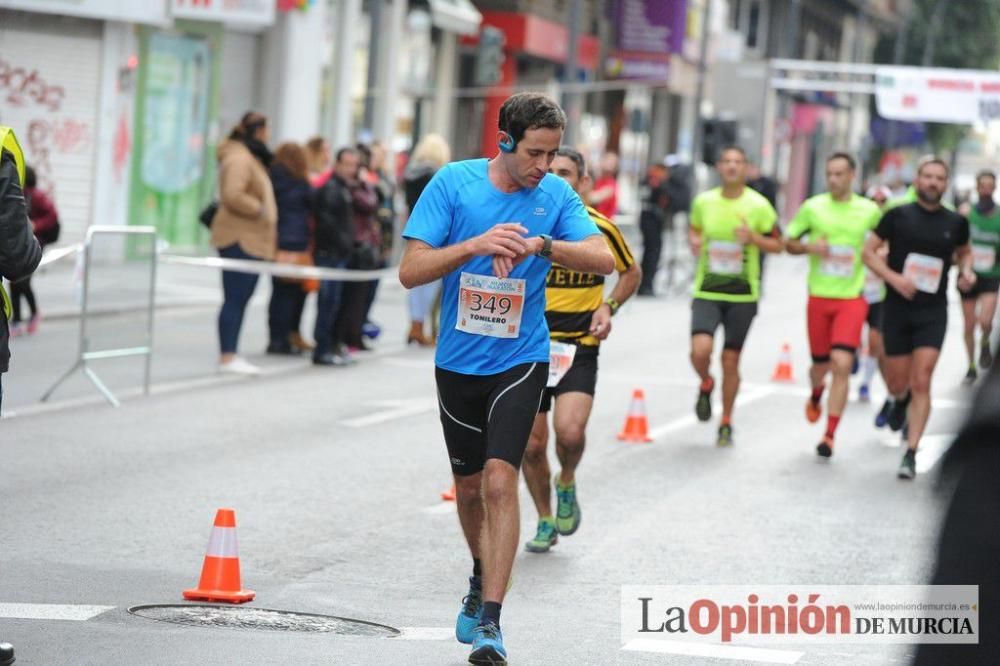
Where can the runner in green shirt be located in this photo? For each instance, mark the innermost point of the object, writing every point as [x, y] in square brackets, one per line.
[730, 226]
[979, 304]
[836, 223]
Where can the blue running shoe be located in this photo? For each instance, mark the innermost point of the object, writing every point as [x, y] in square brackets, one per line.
[371, 330]
[864, 393]
[472, 611]
[883, 414]
[487, 648]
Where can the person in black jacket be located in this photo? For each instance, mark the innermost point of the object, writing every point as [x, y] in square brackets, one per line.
[293, 196]
[655, 201]
[19, 257]
[19, 249]
[334, 243]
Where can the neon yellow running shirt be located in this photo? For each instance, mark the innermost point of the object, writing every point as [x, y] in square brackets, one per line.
[844, 225]
[728, 270]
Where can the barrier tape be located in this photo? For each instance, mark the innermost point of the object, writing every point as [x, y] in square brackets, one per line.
[53, 256]
[281, 270]
[248, 266]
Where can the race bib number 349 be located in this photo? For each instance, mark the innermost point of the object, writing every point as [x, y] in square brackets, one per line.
[490, 306]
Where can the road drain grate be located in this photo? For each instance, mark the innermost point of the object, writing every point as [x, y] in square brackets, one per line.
[247, 617]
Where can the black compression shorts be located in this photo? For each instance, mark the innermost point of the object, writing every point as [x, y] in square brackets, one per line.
[706, 315]
[489, 416]
[581, 377]
[906, 326]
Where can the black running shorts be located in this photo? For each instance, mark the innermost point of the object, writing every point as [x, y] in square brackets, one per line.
[489, 416]
[984, 285]
[706, 315]
[906, 326]
[875, 315]
[581, 377]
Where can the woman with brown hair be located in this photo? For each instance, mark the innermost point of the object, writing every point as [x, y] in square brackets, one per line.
[430, 154]
[244, 227]
[293, 195]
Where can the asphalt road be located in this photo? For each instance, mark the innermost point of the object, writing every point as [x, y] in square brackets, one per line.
[335, 475]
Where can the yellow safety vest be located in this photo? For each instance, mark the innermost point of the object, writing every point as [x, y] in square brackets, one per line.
[9, 143]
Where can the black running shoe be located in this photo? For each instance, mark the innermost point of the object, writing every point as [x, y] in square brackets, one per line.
[970, 377]
[703, 407]
[985, 355]
[908, 466]
[825, 448]
[896, 418]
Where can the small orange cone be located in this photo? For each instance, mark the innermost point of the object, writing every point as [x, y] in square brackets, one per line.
[220, 575]
[449, 495]
[783, 371]
[636, 425]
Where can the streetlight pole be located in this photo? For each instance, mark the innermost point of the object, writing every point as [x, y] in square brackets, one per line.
[699, 95]
[570, 97]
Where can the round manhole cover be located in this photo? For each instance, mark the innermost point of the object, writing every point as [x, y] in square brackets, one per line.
[245, 617]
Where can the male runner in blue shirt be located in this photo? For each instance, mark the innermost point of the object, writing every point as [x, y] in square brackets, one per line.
[491, 229]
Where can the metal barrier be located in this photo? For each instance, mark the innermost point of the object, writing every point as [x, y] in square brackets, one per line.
[87, 352]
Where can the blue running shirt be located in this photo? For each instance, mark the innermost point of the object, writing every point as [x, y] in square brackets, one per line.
[461, 203]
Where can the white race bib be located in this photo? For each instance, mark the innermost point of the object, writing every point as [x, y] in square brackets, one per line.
[561, 357]
[873, 287]
[839, 262]
[926, 272]
[725, 257]
[490, 306]
[983, 257]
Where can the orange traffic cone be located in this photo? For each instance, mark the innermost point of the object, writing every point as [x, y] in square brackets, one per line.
[220, 575]
[636, 425]
[449, 495]
[783, 371]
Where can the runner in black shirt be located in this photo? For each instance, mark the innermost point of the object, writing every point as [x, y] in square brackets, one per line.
[922, 238]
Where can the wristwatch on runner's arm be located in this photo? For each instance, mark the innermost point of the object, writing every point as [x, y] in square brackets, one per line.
[613, 304]
[546, 250]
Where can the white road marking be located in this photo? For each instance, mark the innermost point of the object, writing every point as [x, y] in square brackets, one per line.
[418, 363]
[714, 651]
[426, 634]
[778, 388]
[686, 421]
[932, 447]
[75, 612]
[394, 409]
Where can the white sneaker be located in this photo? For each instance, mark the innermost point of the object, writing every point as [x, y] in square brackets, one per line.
[239, 366]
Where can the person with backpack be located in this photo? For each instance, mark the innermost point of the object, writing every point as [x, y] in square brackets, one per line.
[45, 220]
[19, 257]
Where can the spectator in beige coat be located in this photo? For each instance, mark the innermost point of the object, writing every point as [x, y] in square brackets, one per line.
[244, 227]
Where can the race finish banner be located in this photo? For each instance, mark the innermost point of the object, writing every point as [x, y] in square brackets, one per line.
[961, 96]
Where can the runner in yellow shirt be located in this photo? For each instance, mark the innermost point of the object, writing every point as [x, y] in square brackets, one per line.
[579, 319]
[730, 226]
[836, 223]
